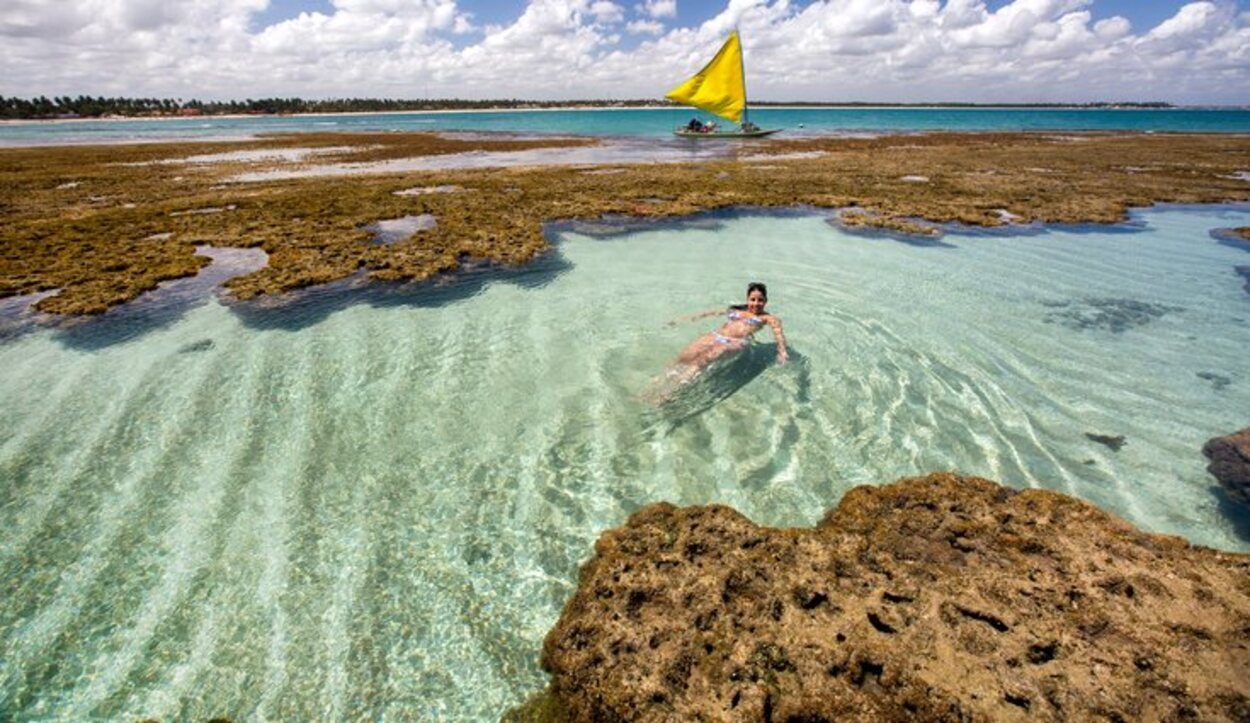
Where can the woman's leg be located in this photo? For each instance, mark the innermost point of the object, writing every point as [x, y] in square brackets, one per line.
[689, 364]
[696, 350]
[702, 353]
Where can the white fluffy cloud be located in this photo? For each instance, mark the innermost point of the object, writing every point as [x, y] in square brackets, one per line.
[645, 27]
[872, 50]
[606, 12]
[659, 8]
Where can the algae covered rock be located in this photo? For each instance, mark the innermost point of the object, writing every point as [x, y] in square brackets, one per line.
[1230, 463]
[939, 598]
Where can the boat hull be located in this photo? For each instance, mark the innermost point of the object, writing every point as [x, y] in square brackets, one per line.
[684, 133]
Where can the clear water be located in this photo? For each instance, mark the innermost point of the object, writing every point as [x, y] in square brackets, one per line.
[374, 503]
[650, 122]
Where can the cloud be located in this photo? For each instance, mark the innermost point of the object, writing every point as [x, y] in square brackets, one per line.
[871, 50]
[1191, 20]
[360, 26]
[606, 12]
[659, 8]
[1014, 23]
[30, 18]
[645, 27]
[1112, 28]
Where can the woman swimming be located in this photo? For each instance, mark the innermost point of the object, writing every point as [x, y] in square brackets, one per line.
[741, 322]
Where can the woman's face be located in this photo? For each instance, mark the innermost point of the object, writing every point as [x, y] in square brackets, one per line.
[756, 301]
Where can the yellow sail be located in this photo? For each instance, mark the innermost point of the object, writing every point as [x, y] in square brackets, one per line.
[720, 87]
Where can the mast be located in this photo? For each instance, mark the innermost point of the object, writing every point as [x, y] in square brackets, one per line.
[742, 68]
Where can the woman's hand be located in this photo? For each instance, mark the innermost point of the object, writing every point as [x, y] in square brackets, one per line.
[783, 355]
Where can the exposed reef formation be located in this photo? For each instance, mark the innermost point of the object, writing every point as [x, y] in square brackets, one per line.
[858, 219]
[105, 223]
[1230, 463]
[933, 598]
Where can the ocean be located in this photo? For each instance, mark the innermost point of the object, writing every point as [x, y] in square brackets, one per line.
[372, 502]
[623, 122]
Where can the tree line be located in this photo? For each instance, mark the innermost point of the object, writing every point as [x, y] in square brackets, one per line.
[85, 106]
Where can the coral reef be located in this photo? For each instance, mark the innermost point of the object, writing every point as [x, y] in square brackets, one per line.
[857, 219]
[103, 224]
[1114, 315]
[933, 598]
[1230, 463]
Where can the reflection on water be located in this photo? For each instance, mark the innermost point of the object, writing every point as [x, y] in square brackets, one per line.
[307, 307]
[370, 500]
[394, 230]
[156, 309]
[611, 150]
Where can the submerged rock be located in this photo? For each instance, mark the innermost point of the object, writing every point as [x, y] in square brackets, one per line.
[1113, 441]
[1106, 314]
[1230, 463]
[1218, 381]
[196, 346]
[934, 598]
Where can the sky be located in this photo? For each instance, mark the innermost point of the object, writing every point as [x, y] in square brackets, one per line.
[811, 50]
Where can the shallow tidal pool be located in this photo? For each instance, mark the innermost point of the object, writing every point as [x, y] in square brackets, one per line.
[373, 502]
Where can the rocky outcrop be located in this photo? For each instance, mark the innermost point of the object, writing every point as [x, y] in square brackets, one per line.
[59, 204]
[934, 598]
[1230, 463]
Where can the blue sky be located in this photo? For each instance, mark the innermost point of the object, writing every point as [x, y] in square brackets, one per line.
[1141, 13]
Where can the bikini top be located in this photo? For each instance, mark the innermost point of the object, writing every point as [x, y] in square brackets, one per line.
[735, 315]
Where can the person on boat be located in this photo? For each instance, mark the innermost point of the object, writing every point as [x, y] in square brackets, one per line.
[694, 126]
[741, 323]
[708, 127]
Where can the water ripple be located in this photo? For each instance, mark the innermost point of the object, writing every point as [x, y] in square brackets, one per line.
[377, 509]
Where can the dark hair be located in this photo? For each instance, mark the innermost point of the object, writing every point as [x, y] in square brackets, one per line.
[753, 286]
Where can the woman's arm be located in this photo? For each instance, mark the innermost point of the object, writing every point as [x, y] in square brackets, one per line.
[696, 316]
[782, 354]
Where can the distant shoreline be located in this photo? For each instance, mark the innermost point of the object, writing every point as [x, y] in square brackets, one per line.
[15, 110]
[584, 108]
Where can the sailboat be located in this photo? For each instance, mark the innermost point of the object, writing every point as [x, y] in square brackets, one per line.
[719, 88]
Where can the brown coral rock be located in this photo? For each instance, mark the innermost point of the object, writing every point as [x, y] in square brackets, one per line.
[1230, 462]
[936, 598]
[103, 224]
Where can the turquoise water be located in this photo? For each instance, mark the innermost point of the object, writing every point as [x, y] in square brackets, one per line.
[373, 502]
[641, 122]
